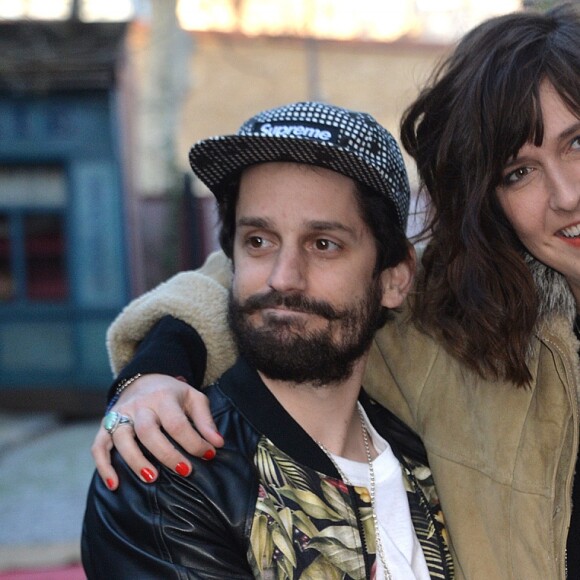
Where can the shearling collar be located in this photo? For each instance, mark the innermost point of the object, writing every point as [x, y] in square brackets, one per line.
[556, 298]
[557, 312]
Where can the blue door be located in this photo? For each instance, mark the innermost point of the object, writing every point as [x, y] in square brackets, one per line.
[63, 267]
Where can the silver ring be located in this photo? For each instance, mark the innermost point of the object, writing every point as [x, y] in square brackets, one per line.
[113, 419]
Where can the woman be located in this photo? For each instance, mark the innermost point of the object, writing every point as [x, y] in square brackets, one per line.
[487, 370]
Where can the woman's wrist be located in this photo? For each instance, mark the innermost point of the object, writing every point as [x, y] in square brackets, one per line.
[120, 388]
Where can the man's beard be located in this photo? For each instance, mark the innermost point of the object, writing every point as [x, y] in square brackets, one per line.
[282, 349]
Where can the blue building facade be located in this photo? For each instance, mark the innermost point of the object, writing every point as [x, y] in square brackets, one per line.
[63, 264]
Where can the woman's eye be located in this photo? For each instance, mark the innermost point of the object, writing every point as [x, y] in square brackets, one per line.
[576, 142]
[515, 175]
[325, 245]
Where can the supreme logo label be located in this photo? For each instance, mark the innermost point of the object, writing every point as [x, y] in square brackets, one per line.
[309, 131]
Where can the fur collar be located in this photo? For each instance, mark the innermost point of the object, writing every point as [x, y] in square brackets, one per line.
[556, 298]
[557, 313]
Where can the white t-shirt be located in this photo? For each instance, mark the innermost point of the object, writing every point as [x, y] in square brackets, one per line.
[403, 552]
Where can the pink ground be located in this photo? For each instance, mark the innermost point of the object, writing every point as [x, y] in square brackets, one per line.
[68, 573]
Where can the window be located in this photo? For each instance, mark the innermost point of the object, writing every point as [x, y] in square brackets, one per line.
[45, 257]
[6, 280]
[32, 234]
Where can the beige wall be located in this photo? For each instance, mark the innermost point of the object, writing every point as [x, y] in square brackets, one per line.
[234, 77]
[217, 82]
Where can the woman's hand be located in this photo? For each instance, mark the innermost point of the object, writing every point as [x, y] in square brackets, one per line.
[154, 401]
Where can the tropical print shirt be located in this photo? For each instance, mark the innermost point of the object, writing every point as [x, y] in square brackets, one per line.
[309, 525]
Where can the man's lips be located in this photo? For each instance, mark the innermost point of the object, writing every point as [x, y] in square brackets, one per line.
[300, 305]
[283, 310]
[284, 313]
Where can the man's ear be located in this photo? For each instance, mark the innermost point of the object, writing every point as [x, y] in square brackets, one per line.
[398, 280]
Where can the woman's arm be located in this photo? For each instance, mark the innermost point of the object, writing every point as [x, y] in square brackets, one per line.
[174, 348]
[162, 347]
[198, 298]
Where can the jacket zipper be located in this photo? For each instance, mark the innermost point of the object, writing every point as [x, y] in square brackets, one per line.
[570, 380]
[366, 554]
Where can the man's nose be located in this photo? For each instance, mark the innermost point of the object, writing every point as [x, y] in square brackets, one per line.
[288, 271]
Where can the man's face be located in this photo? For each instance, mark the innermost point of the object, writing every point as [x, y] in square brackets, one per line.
[304, 303]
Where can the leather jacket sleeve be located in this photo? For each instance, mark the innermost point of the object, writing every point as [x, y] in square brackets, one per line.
[169, 529]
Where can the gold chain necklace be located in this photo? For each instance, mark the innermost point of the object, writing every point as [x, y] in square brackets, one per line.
[378, 541]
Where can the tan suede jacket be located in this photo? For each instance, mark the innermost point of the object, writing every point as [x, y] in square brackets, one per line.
[502, 457]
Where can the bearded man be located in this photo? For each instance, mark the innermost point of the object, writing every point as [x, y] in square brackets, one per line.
[315, 480]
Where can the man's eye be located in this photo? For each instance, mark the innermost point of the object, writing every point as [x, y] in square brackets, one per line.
[256, 242]
[259, 243]
[326, 245]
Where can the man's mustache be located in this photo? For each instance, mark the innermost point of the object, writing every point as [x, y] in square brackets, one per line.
[294, 302]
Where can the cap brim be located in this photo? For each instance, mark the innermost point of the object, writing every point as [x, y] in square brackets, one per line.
[215, 160]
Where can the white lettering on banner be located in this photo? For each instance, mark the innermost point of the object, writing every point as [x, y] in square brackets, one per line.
[298, 130]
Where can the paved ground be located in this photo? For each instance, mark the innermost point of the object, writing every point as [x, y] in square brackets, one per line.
[45, 469]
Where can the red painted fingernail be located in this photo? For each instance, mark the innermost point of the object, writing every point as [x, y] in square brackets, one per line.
[110, 484]
[147, 475]
[182, 468]
[209, 454]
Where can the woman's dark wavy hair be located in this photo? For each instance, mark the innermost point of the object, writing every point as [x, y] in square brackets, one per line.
[377, 212]
[475, 292]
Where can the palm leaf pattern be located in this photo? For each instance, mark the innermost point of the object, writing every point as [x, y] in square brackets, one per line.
[431, 531]
[306, 526]
[277, 469]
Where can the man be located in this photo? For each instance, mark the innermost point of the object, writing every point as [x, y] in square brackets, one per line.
[314, 480]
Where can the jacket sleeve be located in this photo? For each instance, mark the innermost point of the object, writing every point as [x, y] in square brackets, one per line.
[164, 530]
[400, 366]
[171, 347]
[197, 298]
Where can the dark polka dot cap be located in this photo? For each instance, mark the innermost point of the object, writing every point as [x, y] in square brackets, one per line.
[348, 142]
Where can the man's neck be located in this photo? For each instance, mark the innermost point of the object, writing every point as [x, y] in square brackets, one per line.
[328, 413]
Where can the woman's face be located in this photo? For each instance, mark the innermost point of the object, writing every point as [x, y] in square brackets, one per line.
[540, 191]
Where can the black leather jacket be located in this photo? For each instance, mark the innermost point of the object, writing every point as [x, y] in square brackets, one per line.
[219, 522]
